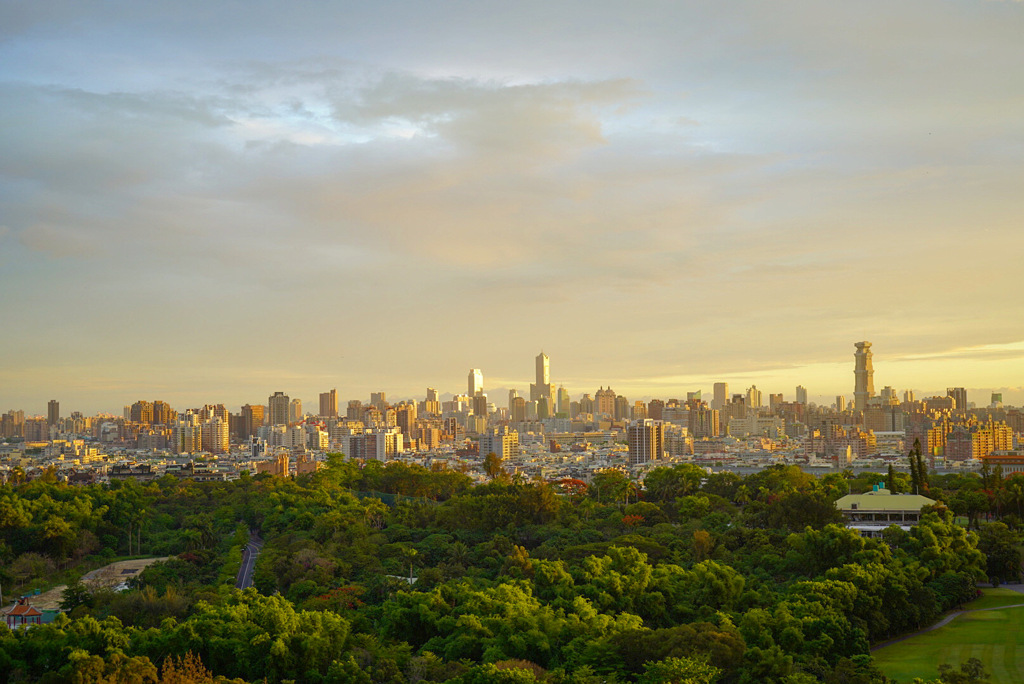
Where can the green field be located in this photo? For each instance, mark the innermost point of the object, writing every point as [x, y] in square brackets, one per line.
[996, 637]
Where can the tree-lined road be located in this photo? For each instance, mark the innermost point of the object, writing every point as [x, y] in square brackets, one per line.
[249, 555]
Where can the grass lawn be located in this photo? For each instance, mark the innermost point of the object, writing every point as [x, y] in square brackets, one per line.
[996, 637]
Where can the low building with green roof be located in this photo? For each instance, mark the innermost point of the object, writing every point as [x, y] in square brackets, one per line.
[873, 511]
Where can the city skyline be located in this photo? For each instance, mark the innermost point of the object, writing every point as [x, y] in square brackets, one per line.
[198, 202]
[735, 384]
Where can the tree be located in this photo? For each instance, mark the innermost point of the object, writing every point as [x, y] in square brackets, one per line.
[679, 671]
[493, 466]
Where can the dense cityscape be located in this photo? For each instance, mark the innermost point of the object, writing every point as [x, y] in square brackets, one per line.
[571, 342]
[544, 433]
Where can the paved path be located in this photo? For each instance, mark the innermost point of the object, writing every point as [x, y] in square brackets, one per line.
[942, 623]
[249, 555]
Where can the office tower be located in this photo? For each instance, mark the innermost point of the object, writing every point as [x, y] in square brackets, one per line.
[908, 396]
[542, 387]
[379, 399]
[480, 404]
[252, 419]
[863, 375]
[564, 402]
[997, 400]
[512, 396]
[753, 397]
[329, 403]
[721, 397]
[840, 403]
[295, 411]
[277, 409]
[888, 396]
[801, 394]
[774, 401]
[544, 407]
[959, 395]
[475, 382]
[693, 396]
[604, 402]
[646, 440]
[587, 404]
[52, 412]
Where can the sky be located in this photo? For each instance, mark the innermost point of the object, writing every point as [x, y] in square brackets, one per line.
[209, 202]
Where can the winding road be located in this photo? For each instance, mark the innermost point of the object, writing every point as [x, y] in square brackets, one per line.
[249, 555]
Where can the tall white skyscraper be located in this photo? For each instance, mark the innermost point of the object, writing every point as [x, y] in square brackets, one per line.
[801, 394]
[476, 381]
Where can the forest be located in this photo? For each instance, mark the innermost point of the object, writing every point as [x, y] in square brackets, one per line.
[395, 573]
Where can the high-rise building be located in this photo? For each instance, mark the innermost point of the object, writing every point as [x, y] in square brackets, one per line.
[959, 395]
[518, 410]
[295, 411]
[52, 412]
[163, 414]
[840, 403]
[646, 440]
[215, 435]
[252, 419]
[480, 404]
[997, 400]
[564, 402]
[753, 397]
[277, 409]
[721, 398]
[379, 399]
[801, 394]
[187, 435]
[655, 409]
[432, 405]
[621, 408]
[512, 396]
[475, 382]
[542, 387]
[501, 442]
[774, 401]
[863, 376]
[604, 402]
[908, 396]
[142, 412]
[329, 403]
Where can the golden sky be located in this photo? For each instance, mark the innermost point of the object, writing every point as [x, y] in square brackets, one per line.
[209, 202]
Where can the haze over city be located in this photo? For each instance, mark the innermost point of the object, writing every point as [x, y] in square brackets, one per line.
[214, 202]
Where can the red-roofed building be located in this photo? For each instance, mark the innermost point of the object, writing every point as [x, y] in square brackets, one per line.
[22, 614]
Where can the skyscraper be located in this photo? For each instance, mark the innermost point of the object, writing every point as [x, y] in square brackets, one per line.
[801, 394]
[863, 375]
[295, 411]
[721, 397]
[52, 412]
[277, 408]
[604, 402]
[754, 397]
[542, 387]
[475, 382]
[329, 403]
